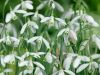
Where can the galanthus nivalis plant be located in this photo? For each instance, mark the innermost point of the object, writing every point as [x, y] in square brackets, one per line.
[46, 44]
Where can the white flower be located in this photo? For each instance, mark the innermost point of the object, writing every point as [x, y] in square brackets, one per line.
[49, 57]
[31, 24]
[38, 71]
[96, 40]
[27, 5]
[67, 63]
[9, 58]
[22, 63]
[54, 5]
[10, 16]
[38, 64]
[40, 39]
[52, 21]
[73, 35]
[61, 72]
[90, 20]
[77, 62]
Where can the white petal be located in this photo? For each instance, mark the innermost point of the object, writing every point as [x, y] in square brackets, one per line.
[39, 65]
[21, 11]
[76, 62]
[48, 57]
[69, 72]
[95, 56]
[8, 17]
[33, 39]
[42, 5]
[46, 43]
[59, 7]
[23, 28]
[61, 21]
[33, 24]
[67, 62]
[28, 6]
[73, 35]
[45, 19]
[22, 63]
[61, 32]
[85, 58]
[82, 67]
[61, 72]
[38, 71]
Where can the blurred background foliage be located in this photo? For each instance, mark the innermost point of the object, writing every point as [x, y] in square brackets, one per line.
[93, 8]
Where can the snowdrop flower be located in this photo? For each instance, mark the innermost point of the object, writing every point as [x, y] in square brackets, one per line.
[68, 33]
[38, 64]
[38, 71]
[84, 44]
[10, 40]
[68, 14]
[53, 4]
[27, 5]
[31, 24]
[10, 16]
[22, 63]
[49, 57]
[73, 36]
[90, 20]
[9, 58]
[67, 63]
[29, 68]
[96, 40]
[37, 54]
[40, 39]
[53, 21]
[62, 72]
[77, 62]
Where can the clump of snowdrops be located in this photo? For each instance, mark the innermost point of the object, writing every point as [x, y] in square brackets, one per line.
[32, 43]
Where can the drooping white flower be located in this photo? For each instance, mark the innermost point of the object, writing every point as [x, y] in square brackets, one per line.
[49, 57]
[38, 71]
[73, 35]
[77, 62]
[10, 16]
[96, 40]
[40, 39]
[90, 20]
[67, 62]
[27, 5]
[38, 64]
[9, 58]
[61, 72]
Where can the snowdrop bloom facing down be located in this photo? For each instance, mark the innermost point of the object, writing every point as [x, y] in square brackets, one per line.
[52, 21]
[9, 59]
[90, 20]
[49, 57]
[27, 5]
[31, 24]
[96, 40]
[73, 36]
[38, 71]
[61, 72]
[10, 16]
[40, 39]
[53, 4]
